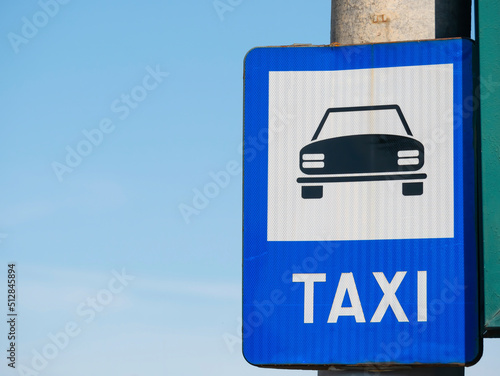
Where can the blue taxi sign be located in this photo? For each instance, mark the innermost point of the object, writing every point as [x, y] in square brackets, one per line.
[359, 228]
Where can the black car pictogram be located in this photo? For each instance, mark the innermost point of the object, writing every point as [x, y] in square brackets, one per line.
[362, 157]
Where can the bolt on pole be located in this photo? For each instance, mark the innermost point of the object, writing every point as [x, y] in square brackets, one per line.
[381, 21]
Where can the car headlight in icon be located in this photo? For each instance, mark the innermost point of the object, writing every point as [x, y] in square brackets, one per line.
[408, 157]
[313, 160]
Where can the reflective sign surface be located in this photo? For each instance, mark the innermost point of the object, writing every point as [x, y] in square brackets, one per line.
[359, 242]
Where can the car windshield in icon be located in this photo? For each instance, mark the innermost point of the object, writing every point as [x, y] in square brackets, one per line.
[365, 143]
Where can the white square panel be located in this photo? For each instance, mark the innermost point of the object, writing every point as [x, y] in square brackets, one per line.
[360, 210]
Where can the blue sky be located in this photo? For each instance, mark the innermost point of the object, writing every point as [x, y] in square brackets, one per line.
[158, 87]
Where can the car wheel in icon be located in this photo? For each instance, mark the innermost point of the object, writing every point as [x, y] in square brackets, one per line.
[413, 189]
[312, 191]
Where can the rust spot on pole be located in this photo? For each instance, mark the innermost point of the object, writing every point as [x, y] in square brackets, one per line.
[380, 18]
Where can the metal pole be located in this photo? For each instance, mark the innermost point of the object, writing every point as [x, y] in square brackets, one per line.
[369, 21]
[489, 68]
[456, 371]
